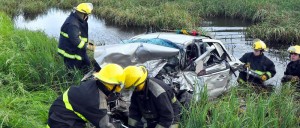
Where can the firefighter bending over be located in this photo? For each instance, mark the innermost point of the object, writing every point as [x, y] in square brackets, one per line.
[87, 102]
[152, 100]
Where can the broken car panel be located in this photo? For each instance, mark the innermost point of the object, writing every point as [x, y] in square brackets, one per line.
[189, 62]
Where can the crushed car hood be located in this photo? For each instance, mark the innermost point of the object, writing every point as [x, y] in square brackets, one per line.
[154, 54]
[132, 53]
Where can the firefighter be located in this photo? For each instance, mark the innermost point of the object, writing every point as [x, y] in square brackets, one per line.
[73, 40]
[292, 72]
[258, 68]
[87, 102]
[151, 99]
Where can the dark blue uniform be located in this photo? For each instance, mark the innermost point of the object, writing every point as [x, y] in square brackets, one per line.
[260, 64]
[81, 104]
[292, 69]
[156, 103]
[73, 41]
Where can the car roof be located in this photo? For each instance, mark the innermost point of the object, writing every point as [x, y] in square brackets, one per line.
[173, 37]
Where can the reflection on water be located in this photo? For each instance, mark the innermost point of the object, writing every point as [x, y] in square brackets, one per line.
[229, 31]
[32, 16]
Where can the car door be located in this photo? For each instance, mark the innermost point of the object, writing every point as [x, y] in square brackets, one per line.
[213, 68]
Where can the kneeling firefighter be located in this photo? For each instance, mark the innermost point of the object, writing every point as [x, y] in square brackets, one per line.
[292, 72]
[151, 99]
[258, 68]
[87, 102]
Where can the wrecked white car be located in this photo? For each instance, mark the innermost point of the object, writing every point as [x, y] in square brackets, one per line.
[189, 63]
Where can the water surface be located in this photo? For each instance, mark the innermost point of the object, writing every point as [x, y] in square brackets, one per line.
[230, 32]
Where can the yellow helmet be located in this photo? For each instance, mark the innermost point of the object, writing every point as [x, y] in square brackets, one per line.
[259, 45]
[112, 74]
[294, 49]
[85, 8]
[135, 75]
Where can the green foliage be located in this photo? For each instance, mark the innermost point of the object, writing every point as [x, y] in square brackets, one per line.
[31, 72]
[281, 28]
[277, 20]
[31, 57]
[20, 108]
[245, 107]
[6, 26]
[144, 13]
[31, 75]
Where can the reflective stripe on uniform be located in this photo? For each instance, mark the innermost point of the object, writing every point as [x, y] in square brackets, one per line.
[64, 34]
[159, 126]
[269, 74]
[77, 57]
[69, 106]
[132, 122]
[82, 39]
[47, 126]
[261, 73]
[174, 99]
[174, 126]
[155, 88]
[81, 44]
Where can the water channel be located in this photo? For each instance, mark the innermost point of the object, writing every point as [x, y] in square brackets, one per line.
[230, 32]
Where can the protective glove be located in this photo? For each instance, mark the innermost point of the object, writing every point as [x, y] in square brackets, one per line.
[247, 65]
[290, 78]
[295, 78]
[264, 77]
[91, 46]
[243, 68]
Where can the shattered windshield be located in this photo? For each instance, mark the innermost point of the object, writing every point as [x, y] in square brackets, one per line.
[156, 41]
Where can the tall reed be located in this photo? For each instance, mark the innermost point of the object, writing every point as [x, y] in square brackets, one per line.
[245, 107]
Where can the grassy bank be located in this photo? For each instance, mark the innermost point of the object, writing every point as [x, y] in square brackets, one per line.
[20, 108]
[244, 107]
[275, 21]
[31, 76]
[30, 57]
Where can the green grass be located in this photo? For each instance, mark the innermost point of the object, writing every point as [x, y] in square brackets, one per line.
[20, 108]
[245, 107]
[276, 21]
[30, 56]
[32, 75]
